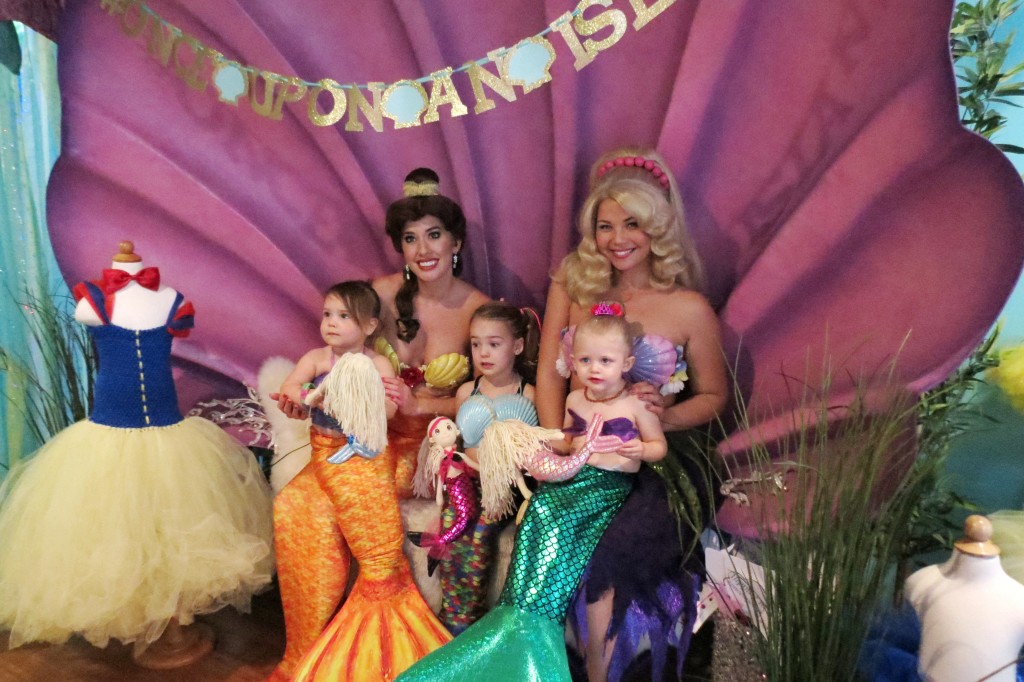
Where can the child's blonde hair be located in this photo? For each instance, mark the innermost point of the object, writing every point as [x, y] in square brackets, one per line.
[603, 321]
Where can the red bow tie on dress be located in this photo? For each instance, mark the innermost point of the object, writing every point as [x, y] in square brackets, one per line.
[115, 280]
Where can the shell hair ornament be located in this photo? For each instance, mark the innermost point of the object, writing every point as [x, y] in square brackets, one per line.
[411, 188]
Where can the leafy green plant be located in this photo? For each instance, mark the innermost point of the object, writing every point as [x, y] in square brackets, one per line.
[944, 413]
[829, 545]
[980, 61]
[51, 381]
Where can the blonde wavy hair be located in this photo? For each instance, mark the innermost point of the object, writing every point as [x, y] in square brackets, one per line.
[587, 275]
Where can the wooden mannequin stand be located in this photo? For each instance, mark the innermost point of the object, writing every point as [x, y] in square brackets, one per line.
[179, 646]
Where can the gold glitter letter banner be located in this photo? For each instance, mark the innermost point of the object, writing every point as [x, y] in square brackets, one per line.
[407, 102]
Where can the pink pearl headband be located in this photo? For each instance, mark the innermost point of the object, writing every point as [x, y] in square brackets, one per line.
[636, 162]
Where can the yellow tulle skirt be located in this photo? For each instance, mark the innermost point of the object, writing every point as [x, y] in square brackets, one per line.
[109, 532]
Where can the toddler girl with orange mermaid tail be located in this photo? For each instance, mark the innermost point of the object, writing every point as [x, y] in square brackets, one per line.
[344, 504]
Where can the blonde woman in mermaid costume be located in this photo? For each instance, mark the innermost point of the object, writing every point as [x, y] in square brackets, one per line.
[522, 638]
[634, 248]
[344, 504]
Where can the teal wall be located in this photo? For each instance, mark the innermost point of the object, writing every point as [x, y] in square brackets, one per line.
[987, 464]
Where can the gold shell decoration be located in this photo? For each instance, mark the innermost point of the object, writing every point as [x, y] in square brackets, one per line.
[383, 346]
[445, 371]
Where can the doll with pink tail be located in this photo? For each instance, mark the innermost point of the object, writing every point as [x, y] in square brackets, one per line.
[449, 472]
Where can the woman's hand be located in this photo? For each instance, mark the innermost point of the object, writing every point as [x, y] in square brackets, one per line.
[291, 408]
[652, 397]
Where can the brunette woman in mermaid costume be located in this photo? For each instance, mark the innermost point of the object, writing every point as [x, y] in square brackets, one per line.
[522, 637]
[426, 312]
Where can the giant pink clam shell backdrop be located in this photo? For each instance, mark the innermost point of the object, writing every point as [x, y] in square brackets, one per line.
[832, 193]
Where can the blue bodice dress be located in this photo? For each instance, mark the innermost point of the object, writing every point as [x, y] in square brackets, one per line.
[136, 515]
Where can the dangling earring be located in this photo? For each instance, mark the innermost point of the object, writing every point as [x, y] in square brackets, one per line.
[455, 260]
[408, 274]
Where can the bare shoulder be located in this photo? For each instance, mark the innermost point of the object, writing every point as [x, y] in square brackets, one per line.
[470, 297]
[464, 392]
[692, 302]
[530, 392]
[382, 364]
[574, 399]
[319, 355]
[645, 421]
[692, 314]
[387, 286]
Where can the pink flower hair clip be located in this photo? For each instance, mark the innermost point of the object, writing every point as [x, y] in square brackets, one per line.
[636, 162]
[607, 308]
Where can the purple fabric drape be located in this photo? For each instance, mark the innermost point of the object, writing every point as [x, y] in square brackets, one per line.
[833, 195]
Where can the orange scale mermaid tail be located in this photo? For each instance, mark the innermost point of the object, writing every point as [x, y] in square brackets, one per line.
[405, 434]
[313, 561]
[374, 638]
[384, 626]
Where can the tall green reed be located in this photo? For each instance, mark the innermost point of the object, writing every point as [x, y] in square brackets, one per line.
[829, 544]
[51, 380]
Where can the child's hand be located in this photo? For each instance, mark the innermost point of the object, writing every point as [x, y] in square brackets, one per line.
[291, 408]
[632, 449]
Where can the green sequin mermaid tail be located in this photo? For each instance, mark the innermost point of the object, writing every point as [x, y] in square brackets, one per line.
[522, 638]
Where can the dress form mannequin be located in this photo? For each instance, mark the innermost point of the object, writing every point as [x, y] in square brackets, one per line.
[130, 523]
[971, 611]
[137, 307]
[134, 306]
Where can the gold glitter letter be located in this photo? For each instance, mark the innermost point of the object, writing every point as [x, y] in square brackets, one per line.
[161, 40]
[644, 14]
[563, 25]
[336, 112]
[194, 74]
[357, 103]
[291, 90]
[443, 91]
[132, 26]
[589, 49]
[588, 27]
[478, 76]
